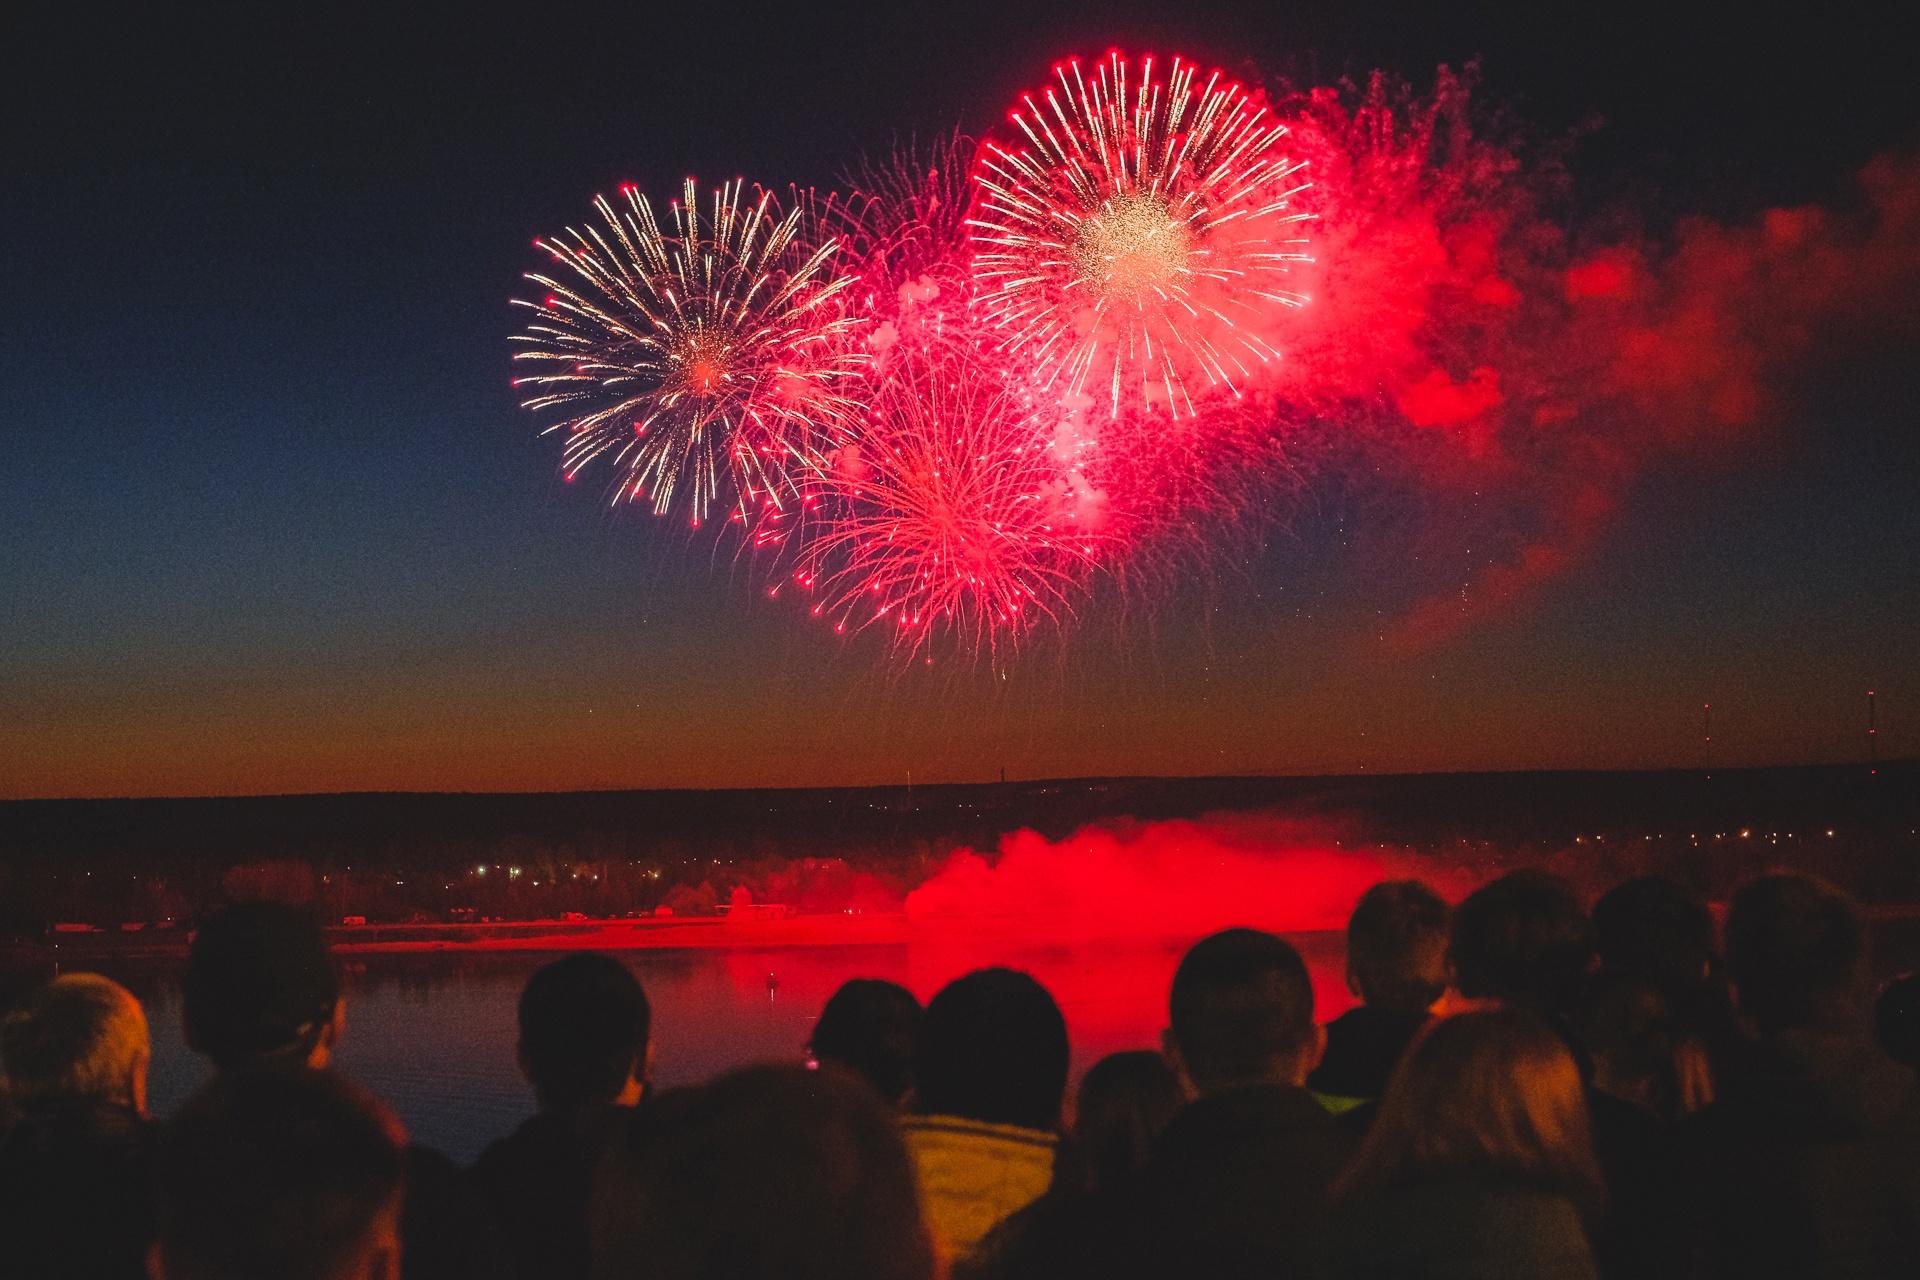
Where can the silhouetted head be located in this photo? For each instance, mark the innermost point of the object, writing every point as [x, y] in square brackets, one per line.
[1491, 1092]
[294, 1174]
[79, 1037]
[1524, 939]
[868, 1028]
[584, 1026]
[1896, 1020]
[1397, 946]
[1124, 1102]
[992, 1047]
[1626, 1028]
[1241, 1012]
[771, 1173]
[1653, 929]
[1796, 951]
[260, 987]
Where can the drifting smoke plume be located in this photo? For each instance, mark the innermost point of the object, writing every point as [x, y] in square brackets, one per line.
[1519, 374]
[1169, 878]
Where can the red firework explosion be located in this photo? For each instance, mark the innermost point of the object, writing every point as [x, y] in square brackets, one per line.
[1140, 245]
[951, 513]
[905, 236]
[993, 400]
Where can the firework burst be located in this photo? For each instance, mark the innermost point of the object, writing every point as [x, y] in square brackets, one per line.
[912, 207]
[1139, 246]
[906, 239]
[700, 358]
[954, 512]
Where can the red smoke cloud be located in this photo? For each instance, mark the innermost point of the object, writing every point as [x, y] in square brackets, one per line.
[1547, 369]
[1147, 879]
[1438, 401]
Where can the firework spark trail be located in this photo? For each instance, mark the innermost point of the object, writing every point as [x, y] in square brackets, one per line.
[1178, 503]
[1140, 244]
[952, 514]
[1159, 495]
[698, 359]
[906, 238]
[911, 210]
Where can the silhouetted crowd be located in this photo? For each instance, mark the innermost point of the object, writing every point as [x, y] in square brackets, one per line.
[1526, 1089]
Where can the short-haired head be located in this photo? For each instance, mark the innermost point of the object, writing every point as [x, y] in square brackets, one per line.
[1652, 928]
[81, 1037]
[290, 1173]
[1796, 951]
[868, 1027]
[260, 986]
[992, 1047]
[1241, 1012]
[1397, 946]
[1524, 939]
[584, 1028]
[769, 1173]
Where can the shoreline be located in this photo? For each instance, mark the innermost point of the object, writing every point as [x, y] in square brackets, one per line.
[703, 933]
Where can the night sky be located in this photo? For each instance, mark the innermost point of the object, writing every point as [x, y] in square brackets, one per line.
[272, 521]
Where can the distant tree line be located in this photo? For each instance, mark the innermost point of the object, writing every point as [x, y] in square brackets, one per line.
[433, 858]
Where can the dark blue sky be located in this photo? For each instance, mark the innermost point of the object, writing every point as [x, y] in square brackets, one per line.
[270, 519]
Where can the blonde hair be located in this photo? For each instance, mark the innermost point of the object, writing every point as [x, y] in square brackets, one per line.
[78, 1036]
[1488, 1091]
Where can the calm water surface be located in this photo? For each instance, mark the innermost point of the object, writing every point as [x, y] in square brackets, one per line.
[433, 1034]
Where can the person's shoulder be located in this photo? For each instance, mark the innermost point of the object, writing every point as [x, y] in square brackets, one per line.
[1353, 1020]
[1462, 1226]
[1626, 1134]
[1060, 1236]
[1247, 1115]
[1255, 1127]
[1378, 1020]
[1711, 1123]
[1537, 1207]
[429, 1167]
[938, 1129]
[1363, 1045]
[513, 1150]
[80, 1135]
[1263, 1104]
[1200, 1123]
[445, 1225]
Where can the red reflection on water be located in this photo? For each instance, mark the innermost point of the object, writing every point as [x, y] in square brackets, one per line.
[1100, 918]
[1113, 993]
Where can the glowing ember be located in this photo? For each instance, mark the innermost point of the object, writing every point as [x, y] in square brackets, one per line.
[1133, 250]
[700, 363]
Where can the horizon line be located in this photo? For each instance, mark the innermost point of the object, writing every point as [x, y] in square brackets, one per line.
[1894, 764]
